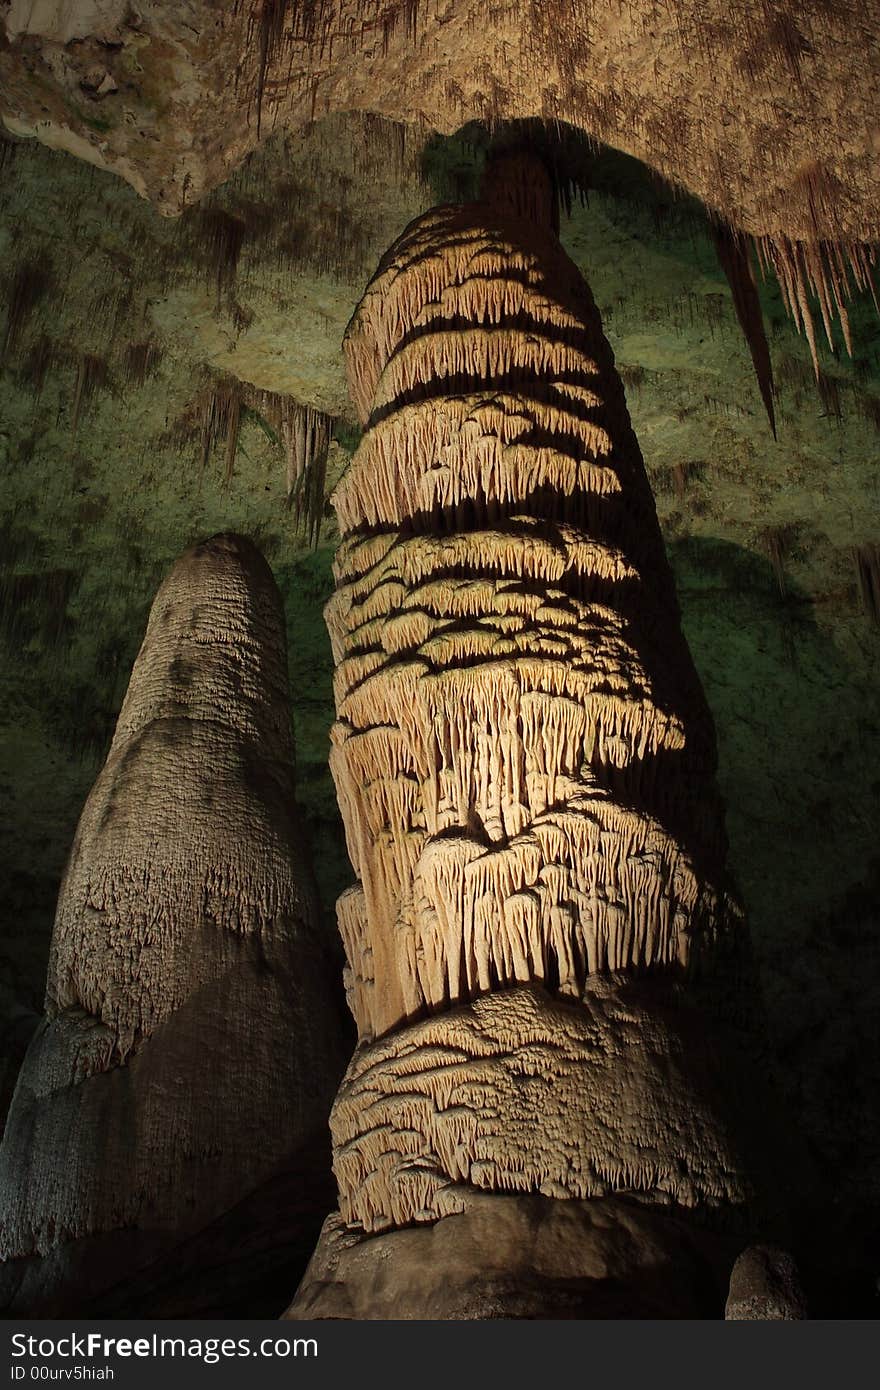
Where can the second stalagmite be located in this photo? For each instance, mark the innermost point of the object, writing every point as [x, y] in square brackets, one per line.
[191, 1045]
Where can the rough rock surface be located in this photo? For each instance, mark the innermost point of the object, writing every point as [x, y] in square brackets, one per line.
[517, 1257]
[788, 659]
[524, 763]
[190, 1045]
[516, 1092]
[523, 755]
[768, 112]
[765, 1287]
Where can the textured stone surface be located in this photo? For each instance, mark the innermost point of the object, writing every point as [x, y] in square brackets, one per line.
[769, 111]
[188, 1006]
[516, 1257]
[517, 1092]
[524, 763]
[522, 752]
[765, 1287]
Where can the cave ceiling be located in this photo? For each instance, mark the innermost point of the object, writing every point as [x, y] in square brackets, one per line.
[751, 107]
[192, 197]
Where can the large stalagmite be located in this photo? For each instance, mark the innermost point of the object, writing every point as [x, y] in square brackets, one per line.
[190, 1047]
[542, 955]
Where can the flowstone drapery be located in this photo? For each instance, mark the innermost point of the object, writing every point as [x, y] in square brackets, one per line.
[190, 1047]
[525, 766]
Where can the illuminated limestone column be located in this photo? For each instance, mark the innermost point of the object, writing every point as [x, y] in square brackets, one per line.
[525, 765]
[190, 1048]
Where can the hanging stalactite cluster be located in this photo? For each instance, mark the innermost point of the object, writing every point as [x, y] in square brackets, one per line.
[830, 271]
[735, 260]
[215, 418]
[818, 274]
[306, 434]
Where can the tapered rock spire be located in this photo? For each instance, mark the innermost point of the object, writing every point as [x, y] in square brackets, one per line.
[190, 1048]
[525, 765]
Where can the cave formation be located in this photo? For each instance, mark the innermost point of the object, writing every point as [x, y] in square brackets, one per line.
[189, 1005]
[559, 1042]
[524, 762]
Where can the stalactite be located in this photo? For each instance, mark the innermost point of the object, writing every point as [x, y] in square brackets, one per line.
[869, 408]
[140, 361]
[271, 20]
[37, 362]
[8, 150]
[301, 434]
[867, 566]
[832, 271]
[829, 394]
[278, 23]
[735, 262]
[220, 236]
[776, 543]
[220, 410]
[233, 427]
[794, 373]
[30, 285]
[306, 433]
[92, 376]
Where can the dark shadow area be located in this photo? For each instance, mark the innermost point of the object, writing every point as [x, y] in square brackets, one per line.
[306, 584]
[452, 166]
[799, 740]
[245, 1264]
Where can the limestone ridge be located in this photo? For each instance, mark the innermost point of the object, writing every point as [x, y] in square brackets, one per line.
[189, 1049]
[524, 761]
